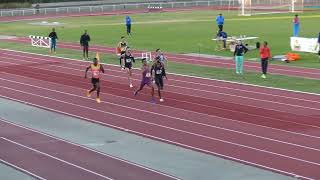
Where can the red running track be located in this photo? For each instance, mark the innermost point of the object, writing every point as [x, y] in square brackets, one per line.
[202, 61]
[46, 157]
[249, 130]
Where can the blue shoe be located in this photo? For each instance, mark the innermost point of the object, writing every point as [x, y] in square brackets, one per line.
[153, 100]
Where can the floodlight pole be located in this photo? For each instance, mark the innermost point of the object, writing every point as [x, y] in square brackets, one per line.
[242, 7]
[292, 5]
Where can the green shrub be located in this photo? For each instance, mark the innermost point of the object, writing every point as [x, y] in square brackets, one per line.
[12, 5]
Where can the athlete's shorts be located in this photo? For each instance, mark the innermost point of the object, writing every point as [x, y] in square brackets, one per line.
[128, 65]
[145, 82]
[159, 82]
[94, 81]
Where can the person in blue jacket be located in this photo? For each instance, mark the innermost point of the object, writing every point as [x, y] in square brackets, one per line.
[220, 22]
[319, 44]
[128, 24]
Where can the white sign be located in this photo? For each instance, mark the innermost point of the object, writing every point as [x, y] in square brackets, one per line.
[304, 44]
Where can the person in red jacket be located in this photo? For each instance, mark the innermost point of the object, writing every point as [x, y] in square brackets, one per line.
[265, 55]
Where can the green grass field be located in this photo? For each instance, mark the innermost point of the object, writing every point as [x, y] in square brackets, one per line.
[179, 32]
[184, 32]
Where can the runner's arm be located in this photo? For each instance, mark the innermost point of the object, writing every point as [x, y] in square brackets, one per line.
[85, 76]
[164, 73]
[122, 60]
[101, 68]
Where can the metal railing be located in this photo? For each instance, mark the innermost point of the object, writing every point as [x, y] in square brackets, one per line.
[114, 7]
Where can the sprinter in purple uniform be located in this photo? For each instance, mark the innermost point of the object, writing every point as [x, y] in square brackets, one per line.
[146, 79]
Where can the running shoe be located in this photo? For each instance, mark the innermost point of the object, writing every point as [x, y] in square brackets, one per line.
[88, 93]
[153, 100]
[98, 100]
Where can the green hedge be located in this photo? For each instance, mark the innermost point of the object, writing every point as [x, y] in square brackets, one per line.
[12, 5]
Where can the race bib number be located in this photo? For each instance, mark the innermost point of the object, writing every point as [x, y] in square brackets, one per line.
[162, 58]
[158, 71]
[95, 74]
[148, 75]
[128, 60]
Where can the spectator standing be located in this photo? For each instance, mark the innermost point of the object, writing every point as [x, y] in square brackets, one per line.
[128, 25]
[53, 40]
[319, 44]
[84, 42]
[296, 25]
[222, 36]
[220, 21]
[37, 7]
[265, 55]
[239, 52]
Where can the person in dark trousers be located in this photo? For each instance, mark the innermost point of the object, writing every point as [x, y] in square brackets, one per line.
[223, 37]
[319, 45]
[127, 61]
[37, 7]
[53, 40]
[159, 73]
[220, 21]
[239, 51]
[265, 55]
[160, 56]
[128, 25]
[84, 42]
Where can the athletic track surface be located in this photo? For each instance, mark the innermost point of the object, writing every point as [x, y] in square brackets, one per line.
[202, 61]
[311, 73]
[273, 129]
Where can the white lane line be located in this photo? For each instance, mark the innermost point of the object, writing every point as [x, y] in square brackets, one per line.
[90, 149]
[177, 74]
[167, 116]
[187, 82]
[206, 106]
[56, 158]
[273, 119]
[173, 108]
[164, 140]
[212, 92]
[21, 169]
[313, 126]
[166, 127]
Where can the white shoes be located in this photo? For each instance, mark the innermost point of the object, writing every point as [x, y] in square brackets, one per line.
[161, 100]
[131, 86]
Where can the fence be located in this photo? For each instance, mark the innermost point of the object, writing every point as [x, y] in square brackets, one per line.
[114, 7]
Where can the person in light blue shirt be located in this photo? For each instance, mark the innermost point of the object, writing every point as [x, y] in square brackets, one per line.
[128, 24]
[220, 22]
